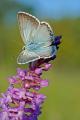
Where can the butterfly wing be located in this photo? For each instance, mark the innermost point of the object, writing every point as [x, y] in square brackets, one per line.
[26, 57]
[44, 34]
[28, 25]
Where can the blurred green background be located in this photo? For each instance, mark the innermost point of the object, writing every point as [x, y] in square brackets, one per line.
[63, 93]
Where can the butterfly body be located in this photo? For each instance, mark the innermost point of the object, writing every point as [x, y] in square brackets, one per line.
[38, 38]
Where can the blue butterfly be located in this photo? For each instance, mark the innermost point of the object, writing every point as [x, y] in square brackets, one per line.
[38, 38]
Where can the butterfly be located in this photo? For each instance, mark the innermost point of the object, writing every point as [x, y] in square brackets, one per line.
[37, 37]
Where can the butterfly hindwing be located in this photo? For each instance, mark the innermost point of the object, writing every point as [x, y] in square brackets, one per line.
[26, 57]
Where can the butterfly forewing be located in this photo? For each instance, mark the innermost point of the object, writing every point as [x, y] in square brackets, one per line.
[28, 25]
[44, 33]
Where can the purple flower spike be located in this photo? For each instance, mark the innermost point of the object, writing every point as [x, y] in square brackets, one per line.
[24, 102]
